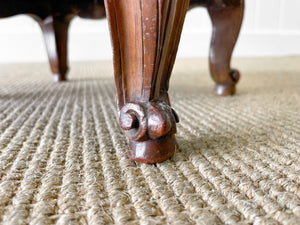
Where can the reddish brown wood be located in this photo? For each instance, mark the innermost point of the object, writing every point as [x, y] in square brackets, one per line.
[55, 31]
[226, 16]
[145, 36]
[227, 19]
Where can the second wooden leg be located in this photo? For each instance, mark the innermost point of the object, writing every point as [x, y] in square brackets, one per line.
[227, 18]
[55, 31]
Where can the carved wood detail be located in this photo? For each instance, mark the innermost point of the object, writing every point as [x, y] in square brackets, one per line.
[145, 36]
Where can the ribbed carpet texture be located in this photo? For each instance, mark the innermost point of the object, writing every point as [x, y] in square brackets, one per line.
[63, 156]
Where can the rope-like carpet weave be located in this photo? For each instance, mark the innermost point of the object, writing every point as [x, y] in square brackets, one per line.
[63, 156]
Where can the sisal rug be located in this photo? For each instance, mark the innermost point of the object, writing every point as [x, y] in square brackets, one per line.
[63, 156]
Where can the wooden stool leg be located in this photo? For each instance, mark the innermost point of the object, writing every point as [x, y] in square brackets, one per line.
[227, 18]
[55, 31]
[145, 36]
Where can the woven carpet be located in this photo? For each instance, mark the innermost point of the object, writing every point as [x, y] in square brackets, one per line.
[63, 156]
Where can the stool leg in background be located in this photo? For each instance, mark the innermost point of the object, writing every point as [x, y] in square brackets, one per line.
[226, 18]
[55, 31]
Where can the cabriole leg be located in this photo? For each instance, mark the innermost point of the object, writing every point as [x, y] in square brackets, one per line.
[55, 31]
[226, 16]
[145, 36]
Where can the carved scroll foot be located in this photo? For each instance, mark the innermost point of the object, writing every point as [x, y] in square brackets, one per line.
[227, 18]
[145, 36]
[150, 128]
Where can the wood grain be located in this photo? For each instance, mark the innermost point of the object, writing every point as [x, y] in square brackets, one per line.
[145, 35]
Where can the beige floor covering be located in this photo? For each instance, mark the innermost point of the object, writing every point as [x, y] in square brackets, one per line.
[63, 156]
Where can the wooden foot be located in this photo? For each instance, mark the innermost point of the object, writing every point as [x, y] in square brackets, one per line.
[227, 18]
[145, 36]
[55, 31]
